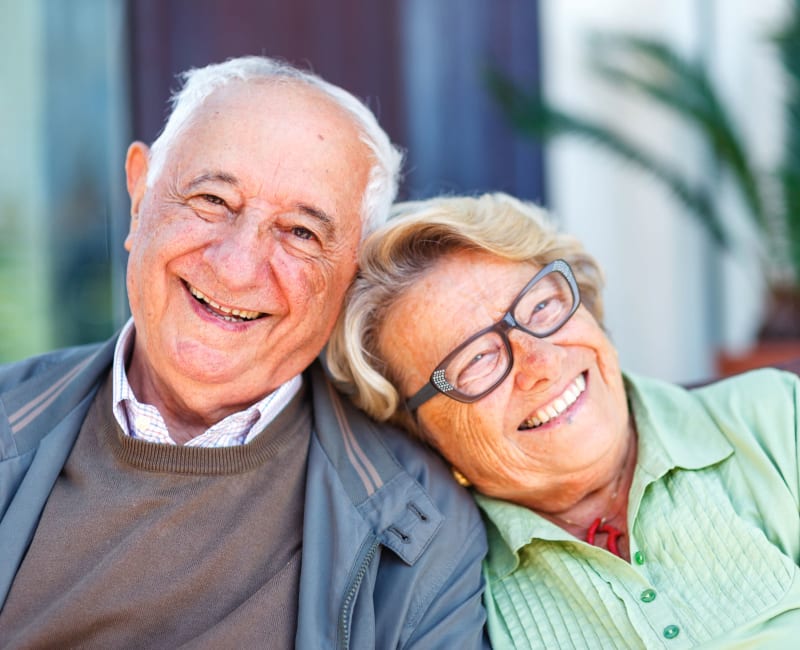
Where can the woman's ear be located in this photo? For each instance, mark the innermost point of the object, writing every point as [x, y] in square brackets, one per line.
[136, 166]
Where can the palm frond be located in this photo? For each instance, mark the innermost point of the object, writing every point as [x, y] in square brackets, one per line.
[787, 43]
[533, 118]
[681, 86]
[656, 72]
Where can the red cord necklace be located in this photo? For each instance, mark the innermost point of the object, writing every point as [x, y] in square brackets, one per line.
[613, 535]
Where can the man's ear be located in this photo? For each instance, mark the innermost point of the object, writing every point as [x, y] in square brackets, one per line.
[136, 166]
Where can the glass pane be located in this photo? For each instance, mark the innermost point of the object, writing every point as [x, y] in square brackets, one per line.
[61, 173]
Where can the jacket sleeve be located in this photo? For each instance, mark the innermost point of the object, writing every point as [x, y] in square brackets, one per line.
[419, 584]
[445, 609]
[456, 617]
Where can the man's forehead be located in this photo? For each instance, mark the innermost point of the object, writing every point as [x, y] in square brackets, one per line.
[285, 137]
[292, 108]
[267, 95]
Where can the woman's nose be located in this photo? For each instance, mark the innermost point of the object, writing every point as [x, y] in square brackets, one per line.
[535, 360]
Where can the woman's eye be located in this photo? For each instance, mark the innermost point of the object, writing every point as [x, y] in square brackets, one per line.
[479, 366]
[540, 305]
[545, 309]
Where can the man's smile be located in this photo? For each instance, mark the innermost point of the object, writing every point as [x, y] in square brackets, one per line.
[230, 314]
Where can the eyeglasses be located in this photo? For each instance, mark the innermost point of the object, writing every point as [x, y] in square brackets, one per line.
[481, 363]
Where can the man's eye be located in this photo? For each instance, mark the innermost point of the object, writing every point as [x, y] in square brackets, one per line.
[302, 233]
[213, 198]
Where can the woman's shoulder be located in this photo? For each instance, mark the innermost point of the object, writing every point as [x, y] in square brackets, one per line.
[755, 387]
[757, 409]
[759, 392]
[753, 380]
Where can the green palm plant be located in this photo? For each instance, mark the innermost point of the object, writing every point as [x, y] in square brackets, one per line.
[659, 74]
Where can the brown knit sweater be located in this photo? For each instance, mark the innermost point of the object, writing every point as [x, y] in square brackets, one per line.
[145, 545]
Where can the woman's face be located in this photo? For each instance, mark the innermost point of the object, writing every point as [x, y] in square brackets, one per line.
[497, 442]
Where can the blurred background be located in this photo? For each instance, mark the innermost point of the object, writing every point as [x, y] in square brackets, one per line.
[669, 154]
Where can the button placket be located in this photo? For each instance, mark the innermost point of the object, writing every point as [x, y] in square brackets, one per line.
[649, 595]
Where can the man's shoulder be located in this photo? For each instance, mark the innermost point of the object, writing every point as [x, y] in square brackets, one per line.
[380, 465]
[354, 440]
[36, 394]
[16, 372]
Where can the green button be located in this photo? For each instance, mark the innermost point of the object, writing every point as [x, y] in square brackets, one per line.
[638, 557]
[671, 631]
[648, 596]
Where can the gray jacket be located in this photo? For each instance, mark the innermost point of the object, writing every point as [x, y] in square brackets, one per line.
[392, 549]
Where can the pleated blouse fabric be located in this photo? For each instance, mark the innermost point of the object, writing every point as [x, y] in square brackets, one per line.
[714, 533]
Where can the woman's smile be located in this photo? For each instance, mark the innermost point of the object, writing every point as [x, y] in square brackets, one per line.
[558, 406]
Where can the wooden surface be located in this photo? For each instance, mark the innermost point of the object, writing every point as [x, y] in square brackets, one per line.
[783, 354]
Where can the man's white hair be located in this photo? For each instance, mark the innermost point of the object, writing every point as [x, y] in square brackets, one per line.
[199, 83]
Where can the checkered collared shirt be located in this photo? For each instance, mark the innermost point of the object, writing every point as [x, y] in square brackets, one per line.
[143, 421]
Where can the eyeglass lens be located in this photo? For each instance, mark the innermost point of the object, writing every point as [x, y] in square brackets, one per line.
[541, 310]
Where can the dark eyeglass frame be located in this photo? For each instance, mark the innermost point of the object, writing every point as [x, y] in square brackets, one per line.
[439, 384]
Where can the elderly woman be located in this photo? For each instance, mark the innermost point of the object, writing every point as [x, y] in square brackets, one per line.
[621, 511]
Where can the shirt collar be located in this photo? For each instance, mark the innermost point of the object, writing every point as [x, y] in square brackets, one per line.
[143, 421]
[675, 430]
[511, 527]
[667, 420]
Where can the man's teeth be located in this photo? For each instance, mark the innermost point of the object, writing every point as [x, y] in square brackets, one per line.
[558, 405]
[232, 315]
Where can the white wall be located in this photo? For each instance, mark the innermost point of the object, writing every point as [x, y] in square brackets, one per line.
[671, 301]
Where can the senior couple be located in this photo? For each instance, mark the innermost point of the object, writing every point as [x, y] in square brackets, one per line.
[200, 480]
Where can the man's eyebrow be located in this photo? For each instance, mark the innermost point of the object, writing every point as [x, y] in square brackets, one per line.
[322, 216]
[220, 177]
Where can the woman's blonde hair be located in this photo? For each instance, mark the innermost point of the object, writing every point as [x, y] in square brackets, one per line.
[399, 254]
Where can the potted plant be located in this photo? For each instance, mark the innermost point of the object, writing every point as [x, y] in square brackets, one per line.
[660, 74]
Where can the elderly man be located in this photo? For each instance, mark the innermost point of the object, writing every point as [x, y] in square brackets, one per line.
[196, 480]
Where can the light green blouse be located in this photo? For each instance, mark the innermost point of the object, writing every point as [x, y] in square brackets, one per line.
[714, 534]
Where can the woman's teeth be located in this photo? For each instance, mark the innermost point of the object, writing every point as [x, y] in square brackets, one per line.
[558, 405]
[231, 315]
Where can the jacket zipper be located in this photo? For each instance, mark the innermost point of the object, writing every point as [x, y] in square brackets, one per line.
[350, 594]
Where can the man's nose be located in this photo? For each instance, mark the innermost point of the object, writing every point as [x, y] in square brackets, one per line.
[240, 257]
[536, 360]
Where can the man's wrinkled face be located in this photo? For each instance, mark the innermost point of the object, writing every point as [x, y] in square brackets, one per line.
[242, 248]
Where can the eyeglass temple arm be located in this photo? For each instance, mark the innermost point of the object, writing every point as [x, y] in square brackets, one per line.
[422, 396]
